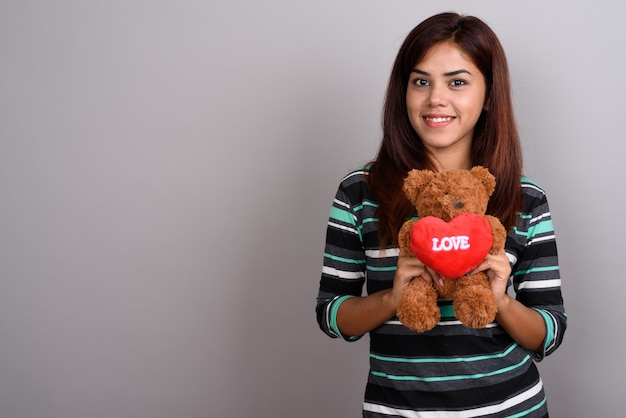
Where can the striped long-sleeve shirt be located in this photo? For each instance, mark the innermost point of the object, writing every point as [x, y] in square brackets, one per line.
[451, 370]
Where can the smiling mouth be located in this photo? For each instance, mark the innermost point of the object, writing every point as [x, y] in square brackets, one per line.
[438, 119]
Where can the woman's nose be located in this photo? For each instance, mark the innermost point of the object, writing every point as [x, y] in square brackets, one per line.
[438, 96]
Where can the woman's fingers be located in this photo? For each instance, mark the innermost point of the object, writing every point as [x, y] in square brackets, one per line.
[411, 267]
[498, 270]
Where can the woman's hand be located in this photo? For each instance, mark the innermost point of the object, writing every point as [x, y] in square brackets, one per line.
[523, 324]
[498, 270]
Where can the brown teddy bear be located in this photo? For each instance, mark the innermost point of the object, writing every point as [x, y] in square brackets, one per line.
[452, 236]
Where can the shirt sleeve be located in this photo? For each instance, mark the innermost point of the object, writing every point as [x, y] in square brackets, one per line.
[536, 274]
[344, 265]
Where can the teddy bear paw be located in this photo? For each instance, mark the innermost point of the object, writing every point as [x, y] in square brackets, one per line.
[475, 306]
[418, 308]
[421, 320]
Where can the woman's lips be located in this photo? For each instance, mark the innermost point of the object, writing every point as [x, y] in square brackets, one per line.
[438, 121]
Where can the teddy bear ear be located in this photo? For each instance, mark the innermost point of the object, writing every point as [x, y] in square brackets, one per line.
[486, 178]
[415, 182]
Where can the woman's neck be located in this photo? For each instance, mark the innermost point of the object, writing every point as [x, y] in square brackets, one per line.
[451, 161]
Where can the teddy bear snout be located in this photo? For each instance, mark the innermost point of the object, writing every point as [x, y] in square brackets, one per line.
[458, 204]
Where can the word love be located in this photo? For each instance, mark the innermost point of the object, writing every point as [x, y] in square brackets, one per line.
[452, 248]
[459, 242]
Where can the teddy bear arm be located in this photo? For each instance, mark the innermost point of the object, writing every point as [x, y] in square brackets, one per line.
[498, 233]
[404, 238]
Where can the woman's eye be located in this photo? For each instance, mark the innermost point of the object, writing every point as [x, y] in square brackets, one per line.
[421, 82]
[457, 83]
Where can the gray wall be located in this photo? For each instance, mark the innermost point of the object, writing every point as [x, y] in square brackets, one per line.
[166, 171]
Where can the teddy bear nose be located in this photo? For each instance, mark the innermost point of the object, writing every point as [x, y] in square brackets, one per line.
[457, 204]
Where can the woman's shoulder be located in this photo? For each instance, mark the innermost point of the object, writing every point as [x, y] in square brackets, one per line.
[531, 188]
[356, 175]
[354, 185]
[534, 197]
[356, 179]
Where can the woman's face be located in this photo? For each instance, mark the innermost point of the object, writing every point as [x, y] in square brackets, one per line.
[445, 97]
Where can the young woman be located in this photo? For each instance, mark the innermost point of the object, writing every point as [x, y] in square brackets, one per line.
[448, 106]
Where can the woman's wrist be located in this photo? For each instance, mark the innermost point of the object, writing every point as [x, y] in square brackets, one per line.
[389, 302]
[503, 303]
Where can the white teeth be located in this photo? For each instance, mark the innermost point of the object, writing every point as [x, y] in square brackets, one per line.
[439, 119]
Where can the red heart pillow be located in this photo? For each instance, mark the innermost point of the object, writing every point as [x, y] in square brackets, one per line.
[452, 248]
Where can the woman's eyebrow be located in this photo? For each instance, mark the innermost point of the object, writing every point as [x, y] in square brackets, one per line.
[457, 72]
[448, 74]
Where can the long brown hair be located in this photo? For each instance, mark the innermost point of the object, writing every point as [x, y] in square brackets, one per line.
[495, 144]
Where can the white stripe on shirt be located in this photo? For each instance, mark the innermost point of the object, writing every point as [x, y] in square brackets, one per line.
[476, 412]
